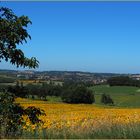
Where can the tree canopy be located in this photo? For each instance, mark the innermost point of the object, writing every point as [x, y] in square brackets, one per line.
[13, 32]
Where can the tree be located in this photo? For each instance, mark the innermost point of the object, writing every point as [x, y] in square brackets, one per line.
[123, 81]
[106, 99]
[12, 33]
[11, 116]
[77, 94]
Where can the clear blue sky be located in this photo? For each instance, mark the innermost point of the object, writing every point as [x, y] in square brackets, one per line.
[83, 36]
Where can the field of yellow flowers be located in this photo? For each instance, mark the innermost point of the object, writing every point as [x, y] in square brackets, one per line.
[60, 115]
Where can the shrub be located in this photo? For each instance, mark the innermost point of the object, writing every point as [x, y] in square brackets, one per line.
[106, 99]
[77, 94]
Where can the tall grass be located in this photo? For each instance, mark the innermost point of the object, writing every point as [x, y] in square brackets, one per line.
[116, 131]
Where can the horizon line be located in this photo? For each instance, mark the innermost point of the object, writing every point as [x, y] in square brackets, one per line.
[70, 71]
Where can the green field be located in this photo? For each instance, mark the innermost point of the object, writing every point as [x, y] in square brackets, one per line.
[123, 96]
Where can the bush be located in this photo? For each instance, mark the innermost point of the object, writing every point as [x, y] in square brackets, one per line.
[77, 94]
[106, 99]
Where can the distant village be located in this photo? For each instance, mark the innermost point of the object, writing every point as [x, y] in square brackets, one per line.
[95, 78]
[76, 76]
[61, 76]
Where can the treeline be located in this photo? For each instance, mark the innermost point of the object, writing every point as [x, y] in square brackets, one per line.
[7, 79]
[69, 92]
[123, 81]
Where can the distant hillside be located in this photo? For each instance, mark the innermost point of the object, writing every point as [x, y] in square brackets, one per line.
[60, 75]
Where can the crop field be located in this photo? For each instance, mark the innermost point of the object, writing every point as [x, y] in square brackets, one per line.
[38, 82]
[83, 121]
[123, 96]
[119, 90]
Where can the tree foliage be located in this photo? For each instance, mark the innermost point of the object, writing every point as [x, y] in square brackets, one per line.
[12, 33]
[18, 90]
[123, 81]
[7, 79]
[106, 99]
[77, 94]
[11, 116]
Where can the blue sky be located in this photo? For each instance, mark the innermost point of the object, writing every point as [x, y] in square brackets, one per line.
[83, 36]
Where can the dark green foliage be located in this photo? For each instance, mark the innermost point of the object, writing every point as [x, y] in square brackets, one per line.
[12, 33]
[41, 91]
[7, 80]
[77, 94]
[123, 81]
[72, 82]
[11, 116]
[106, 99]
[44, 90]
[18, 90]
[33, 114]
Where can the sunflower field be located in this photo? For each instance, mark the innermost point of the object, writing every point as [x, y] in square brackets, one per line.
[83, 121]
